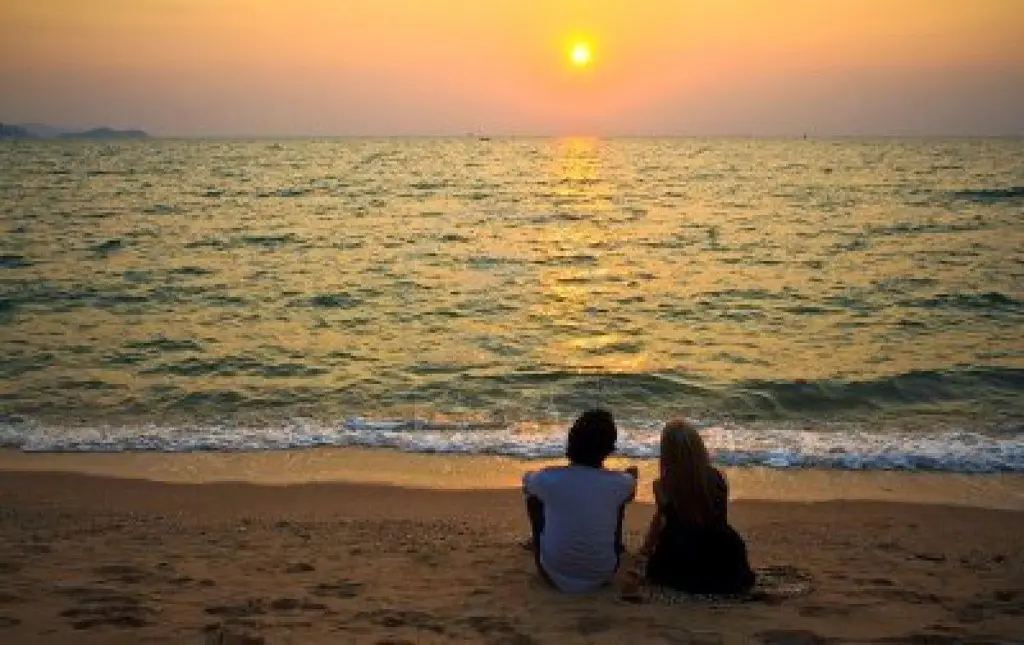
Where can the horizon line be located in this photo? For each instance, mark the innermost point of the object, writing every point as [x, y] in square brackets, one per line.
[507, 134]
[576, 135]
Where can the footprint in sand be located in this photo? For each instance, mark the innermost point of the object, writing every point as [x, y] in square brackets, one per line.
[791, 637]
[341, 589]
[907, 595]
[928, 557]
[823, 611]
[392, 618]
[99, 607]
[689, 637]
[496, 629]
[590, 624]
[123, 573]
[220, 635]
[295, 604]
[1009, 601]
[922, 638]
[38, 548]
[251, 607]
[261, 606]
[8, 598]
[7, 568]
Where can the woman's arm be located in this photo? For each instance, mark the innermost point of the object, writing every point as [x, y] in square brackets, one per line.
[654, 530]
[722, 496]
[653, 533]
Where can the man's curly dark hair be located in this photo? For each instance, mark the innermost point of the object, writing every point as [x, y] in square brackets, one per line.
[591, 438]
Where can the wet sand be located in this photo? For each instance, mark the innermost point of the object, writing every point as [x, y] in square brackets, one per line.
[163, 549]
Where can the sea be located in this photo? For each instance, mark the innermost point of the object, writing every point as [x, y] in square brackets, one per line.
[837, 304]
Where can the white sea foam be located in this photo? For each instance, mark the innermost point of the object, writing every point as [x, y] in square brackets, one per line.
[774, 447]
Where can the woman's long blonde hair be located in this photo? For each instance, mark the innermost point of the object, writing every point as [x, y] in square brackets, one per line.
[687, 476]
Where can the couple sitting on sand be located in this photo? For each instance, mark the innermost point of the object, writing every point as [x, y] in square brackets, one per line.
[576, 513]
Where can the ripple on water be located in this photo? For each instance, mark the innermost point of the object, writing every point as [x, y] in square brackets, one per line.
[329, 301]
[164, 344]
[990, 195]
[107, 247]
[971, 301]
[234, 366]
[11, 261]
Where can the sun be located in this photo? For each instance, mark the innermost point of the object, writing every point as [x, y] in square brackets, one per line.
[580, 54]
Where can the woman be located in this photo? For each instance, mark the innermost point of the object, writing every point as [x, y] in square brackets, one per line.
[690, 545]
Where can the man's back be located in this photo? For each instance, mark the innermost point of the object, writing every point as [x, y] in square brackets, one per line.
[582, 513]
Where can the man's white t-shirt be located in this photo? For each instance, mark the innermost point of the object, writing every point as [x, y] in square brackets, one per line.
[581, 514]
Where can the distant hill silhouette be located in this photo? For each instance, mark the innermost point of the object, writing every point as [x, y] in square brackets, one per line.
[14, 132]
[105, 133]
[43, 131]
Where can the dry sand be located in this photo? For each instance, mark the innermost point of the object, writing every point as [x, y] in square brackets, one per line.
[103, 554]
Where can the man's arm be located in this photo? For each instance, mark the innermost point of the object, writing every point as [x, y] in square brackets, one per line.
[633, 472]
[527, 481]
[533, 483]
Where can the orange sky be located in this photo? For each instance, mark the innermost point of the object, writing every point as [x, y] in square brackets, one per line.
[265, 67]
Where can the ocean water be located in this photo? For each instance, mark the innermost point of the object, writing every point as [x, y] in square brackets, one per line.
[836, 303]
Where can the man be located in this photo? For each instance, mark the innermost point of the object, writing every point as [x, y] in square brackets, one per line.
[576, 511]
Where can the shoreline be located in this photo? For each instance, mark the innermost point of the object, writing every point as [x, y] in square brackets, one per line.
[383, 467]
[919, 447]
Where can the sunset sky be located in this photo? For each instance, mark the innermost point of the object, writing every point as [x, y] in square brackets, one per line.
[402, 67]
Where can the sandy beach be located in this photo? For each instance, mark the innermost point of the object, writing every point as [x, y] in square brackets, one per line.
[163, 549]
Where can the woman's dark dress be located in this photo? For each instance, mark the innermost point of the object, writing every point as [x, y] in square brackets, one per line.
[697, 559]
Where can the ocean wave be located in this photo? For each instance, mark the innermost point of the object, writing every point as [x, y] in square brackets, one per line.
[983, 301]
[164, 344]
[56, 297]
[288, 191]
[753, 398]
[328, 301]
[918, 386]
[990, 195]
[161, 209]
[270, 242]
[108, 246]
[781, 447]
[923, 228]
[174, 371]
[234, 366]
[12, 261]
[191, 271]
